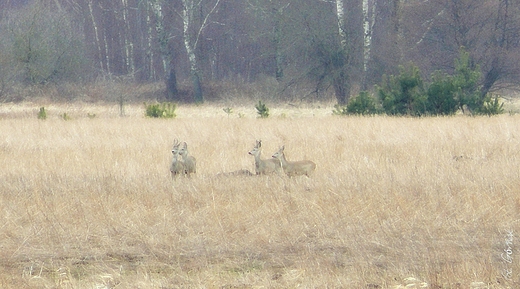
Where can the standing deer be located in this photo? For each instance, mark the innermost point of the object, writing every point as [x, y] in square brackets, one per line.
[190, 163]
[267, 166]
[294, 168]
[177, 166]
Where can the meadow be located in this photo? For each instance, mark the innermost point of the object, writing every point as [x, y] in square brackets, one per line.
[404, 202]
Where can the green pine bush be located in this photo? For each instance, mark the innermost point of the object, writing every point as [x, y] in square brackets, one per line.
[161, 110]
[262, 110]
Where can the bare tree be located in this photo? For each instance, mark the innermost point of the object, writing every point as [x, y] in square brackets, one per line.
[163, 38]
[191, 36]
[341, 81]
[501, 60]
[488, 30]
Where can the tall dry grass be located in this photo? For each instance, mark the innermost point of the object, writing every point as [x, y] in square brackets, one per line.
[417, 202]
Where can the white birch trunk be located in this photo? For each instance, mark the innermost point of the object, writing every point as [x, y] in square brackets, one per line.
[149, 44]
[340, 15]
[341, 79]
[107, 58]
[398, 29]
[369, 18]
[187, 18]
[129, 45]
[161, 34]
[96, 35]
[187, 15]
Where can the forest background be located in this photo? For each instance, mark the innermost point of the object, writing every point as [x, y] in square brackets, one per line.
[198, 49]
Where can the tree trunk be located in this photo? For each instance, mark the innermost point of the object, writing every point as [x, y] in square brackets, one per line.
[149, 44]
[341, 80]
[129, 45]
[96, 35]
[277, 44]
[399, 37]
[171, 85]
[341, 89]
[369, 18]
[340, 16]
[187, 14]
[166, 55]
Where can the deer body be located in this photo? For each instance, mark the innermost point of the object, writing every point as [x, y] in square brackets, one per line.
[177, 165]
[305, 167]
[242, 172]
[267, 166]
[189, 162]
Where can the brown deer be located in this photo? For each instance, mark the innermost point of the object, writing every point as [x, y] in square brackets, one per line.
[189, 162]
[267, 166]
[294, 168]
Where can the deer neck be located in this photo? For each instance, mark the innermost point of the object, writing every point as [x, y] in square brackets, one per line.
[258, 159]
[283, 161]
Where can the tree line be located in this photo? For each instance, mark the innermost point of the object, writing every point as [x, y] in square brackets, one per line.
[344, 46]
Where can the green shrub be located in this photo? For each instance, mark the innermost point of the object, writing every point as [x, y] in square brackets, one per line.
[403, 94]
[228, 110]
[491, 106]
[42, 114]
[466, 80]
[262, 110]
[161, 110]
[340, 110]
[363, 104]
[441, 95]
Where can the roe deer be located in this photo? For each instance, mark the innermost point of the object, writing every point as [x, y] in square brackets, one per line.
[242, 172]
[294, 168]
[267, 166]
[177, 166]
[189, 162]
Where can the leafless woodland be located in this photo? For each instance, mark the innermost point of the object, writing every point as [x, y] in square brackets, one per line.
[314, 46]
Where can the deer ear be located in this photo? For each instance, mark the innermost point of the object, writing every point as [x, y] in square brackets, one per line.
[259, 143]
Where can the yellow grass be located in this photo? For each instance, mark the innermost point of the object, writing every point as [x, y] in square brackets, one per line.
[394, 202]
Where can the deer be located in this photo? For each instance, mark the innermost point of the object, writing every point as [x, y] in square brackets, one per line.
[177, 166]
[241, 172]
[189, 162]
[294, 168]
[267, 166]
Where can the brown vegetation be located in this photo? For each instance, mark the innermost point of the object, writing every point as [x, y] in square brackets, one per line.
[89, 202]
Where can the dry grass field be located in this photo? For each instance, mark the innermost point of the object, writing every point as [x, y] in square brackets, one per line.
[394, 202]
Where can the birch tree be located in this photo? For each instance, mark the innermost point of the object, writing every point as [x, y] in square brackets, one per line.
[340, 78]
[188, 10]
[191, 36]
[369, 19]
[163, 38]
[128, 42]
[267, 12]
[397, 15]
[96, 34]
